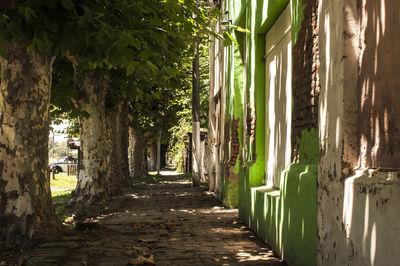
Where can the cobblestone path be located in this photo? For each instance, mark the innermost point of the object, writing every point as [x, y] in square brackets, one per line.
[166, 223]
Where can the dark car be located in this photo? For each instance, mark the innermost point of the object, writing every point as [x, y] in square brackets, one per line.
[62, 164]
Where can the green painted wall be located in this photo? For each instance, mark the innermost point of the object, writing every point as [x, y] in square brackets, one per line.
[284, 217]
[234, 112]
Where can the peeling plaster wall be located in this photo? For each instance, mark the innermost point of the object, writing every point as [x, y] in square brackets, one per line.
[332, 245]
[372, 218]
[358, 210]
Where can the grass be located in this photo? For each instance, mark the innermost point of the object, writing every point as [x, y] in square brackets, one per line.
[62, 181]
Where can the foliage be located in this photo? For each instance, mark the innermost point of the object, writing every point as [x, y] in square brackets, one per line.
[177, 145]
[144, 46]
[63, 92]
[184, 115]
[57, 150]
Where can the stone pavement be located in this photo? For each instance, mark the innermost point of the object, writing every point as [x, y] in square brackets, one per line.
[166, 223]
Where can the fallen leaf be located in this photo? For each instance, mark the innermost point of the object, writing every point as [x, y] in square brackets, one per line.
[137, 226]
[129, 253]
[142, 260]
[155, 225]
[140, 249]
[149, 260]
[216, 259]
[147, 240]
[93, 243]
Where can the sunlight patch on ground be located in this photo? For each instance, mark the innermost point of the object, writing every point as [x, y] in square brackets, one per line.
[245, 256]
[138, 196]
[169, 173]
[176, 182]
[217, 209]
[221, 230]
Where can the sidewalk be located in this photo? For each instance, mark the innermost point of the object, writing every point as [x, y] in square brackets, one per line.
[167, 223]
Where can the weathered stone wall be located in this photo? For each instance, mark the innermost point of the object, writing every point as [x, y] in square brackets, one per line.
[305, 81]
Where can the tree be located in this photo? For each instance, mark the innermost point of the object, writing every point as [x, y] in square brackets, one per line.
[184, 100]
[144, 39]
[196, 120]
[29, 40]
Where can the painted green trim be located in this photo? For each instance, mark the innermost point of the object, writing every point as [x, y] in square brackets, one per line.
[236, 9]
[274, 9]
[308, 144]
[285, 217]
[231, 199]
[238, 101]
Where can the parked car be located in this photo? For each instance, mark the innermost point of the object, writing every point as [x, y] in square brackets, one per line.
[62, 164]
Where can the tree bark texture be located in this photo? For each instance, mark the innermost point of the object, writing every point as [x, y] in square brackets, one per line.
[124, 127]
[196, 119]
[114, 157]
[26, 209]
[137, 154]
[92, 176]
[153, 156]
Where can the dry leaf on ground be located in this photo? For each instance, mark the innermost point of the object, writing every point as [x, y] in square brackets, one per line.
[147, 240]
[142, 260]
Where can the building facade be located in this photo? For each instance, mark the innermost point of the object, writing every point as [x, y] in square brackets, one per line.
[304, 131]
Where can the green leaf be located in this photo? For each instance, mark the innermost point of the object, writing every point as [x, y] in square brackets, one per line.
[27, 13]
[247, 31]
[130, 69]
[69, 5]
[229, 39]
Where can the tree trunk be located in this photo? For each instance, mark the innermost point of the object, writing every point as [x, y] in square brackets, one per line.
[137, 154]
[145, 162]
[114, 158]
[124, 127]
[163, 157]
[26, 208]
[92, 174]
[159, 152]
[196, 120]
[153, 156]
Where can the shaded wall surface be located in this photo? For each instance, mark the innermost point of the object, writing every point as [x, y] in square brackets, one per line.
[379, 84]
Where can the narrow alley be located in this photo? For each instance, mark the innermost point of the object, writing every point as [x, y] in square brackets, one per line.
[163, 223]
